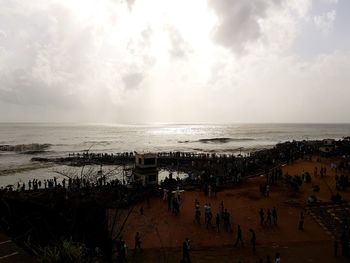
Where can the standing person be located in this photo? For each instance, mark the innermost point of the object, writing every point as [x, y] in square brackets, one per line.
[186, 251]
[141, 210]
[239, 236]
[262, 216]
[268, 259]
[268, 218]
[278, 258]
[137, 242]
[301, 221]
[209, 217]
[335, 245]
[253, 239]
[121, 250]
[197, 216]
[267, 190]
[222, 210]
[345, 244]
[228, 221]
[274, 216]
[165, 194]
[169, 200]
[205, 213]
[218, 222]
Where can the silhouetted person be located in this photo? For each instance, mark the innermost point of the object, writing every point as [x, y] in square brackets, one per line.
[253, 239]
[262, 216]
[335, 246]
[137, 242]
[301, 221]
[274, 215]
[278, 258]
[218, 222]
[141, 210]
[186, 251]
[239, 236]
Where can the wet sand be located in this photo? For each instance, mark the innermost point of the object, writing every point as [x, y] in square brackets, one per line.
[162, 233]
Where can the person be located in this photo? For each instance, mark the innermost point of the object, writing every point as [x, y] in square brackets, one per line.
[267, 190]
[278, 258]
[335, 244]
[262, 216]
[197, 217]
[121, 250]
[228, 220]
[141, 210]
[218, 222]
[345, 244]
[209, 217]
[268, 259]
[239, 236]
[253, 239]
[301, 221]
[268, 218]
[186, 251]
[137, 242]
[274, 215]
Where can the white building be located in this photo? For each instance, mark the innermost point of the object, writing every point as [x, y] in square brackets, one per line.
[145, 171]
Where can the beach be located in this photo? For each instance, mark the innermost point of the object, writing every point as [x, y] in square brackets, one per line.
[163, 233]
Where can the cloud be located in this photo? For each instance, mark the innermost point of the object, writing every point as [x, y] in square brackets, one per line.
[330, 1]
[179, 48]
[130, 4]
[246, 25]
[238, 22]
[325, 22]
[54, 55]
[132, 80]
[182, 61]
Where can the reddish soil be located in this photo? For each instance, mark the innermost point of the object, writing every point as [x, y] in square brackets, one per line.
[162, 233]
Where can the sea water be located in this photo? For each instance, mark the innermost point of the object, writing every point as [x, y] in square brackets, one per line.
[111, 138]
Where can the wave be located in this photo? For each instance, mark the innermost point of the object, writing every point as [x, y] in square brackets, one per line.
[224, 140]
[33, 147]
[23, 168]
[219, 140]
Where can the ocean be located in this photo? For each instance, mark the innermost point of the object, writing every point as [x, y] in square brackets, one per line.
[213, 138]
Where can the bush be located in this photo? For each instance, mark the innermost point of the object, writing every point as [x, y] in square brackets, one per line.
[65, 251]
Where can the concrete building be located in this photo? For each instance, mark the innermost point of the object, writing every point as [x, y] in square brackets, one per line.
[145, 171]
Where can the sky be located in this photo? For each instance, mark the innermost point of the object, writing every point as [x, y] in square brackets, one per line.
[137, 61]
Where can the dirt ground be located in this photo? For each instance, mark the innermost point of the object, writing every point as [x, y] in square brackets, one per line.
[162, 233]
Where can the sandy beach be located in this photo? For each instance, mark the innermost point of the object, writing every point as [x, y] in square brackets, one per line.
[162, 233]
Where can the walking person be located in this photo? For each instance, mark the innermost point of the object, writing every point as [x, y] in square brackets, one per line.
[301, 221]
[278, 258]
[253, 239]
[197, 216]
[137, 242]
[239, 236]
[267, 190]
[269, 218]
[274, 216]
[262, 216]
[335, 246]
[218, 222]
[209, 217]
[186, 251]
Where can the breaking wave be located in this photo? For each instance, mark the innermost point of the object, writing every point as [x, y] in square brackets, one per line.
[219, 140]
[22, 148]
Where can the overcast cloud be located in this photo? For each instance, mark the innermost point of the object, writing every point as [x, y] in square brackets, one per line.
[174, 61]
